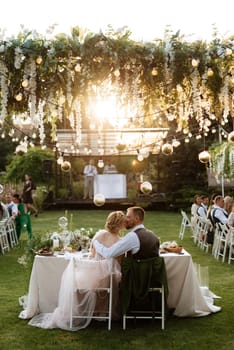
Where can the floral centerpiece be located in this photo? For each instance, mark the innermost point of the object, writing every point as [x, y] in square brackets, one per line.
[67, 240]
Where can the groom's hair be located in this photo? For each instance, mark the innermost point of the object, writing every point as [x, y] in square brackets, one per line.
[138, 211]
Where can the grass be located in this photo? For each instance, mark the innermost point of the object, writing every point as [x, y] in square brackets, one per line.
[211, 332]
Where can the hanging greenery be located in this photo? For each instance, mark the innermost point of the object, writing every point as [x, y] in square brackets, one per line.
[154, 84]
[222, 160]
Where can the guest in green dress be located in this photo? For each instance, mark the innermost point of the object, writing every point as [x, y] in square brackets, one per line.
[22, 220]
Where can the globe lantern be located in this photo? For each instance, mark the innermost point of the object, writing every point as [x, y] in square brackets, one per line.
[99, 199]
[204, 157]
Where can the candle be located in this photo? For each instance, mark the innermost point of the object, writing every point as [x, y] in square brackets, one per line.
[55, 243]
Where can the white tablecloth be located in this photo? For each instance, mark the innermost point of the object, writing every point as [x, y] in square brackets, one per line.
[185, 295]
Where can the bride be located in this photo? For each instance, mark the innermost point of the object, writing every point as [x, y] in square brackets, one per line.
[87, 275]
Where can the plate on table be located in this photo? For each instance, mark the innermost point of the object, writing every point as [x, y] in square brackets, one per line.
[45, 253]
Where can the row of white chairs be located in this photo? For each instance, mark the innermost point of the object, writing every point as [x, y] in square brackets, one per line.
[8, 235]
[223, 244]
[199, 229]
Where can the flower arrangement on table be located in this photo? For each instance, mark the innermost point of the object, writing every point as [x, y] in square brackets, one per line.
[66, 240]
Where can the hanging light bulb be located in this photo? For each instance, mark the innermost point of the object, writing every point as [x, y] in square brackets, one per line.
[19, 97]
[204, 157]
[25, 83]
[100, 163]
[195, 63]
[117, 73]
[175, 143]
[228, 52]
[66, 166]
[140, 157]
[99, 199]
[77, 68]
[154, 72]
[11, 133]
[120, 145]
[39, 60]
[167, 149]
[210, 72]
[146, 187]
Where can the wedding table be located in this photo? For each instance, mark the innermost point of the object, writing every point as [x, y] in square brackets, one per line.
[186, 297]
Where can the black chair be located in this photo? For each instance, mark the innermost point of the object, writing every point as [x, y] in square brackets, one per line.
[143, 289]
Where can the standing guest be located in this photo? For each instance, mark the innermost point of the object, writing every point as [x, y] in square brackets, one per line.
[29, 186]
[4, 214]
[22, 220]
[11, 206]
[203, 208]
[140, 243]
[109, 168]
[90, 171]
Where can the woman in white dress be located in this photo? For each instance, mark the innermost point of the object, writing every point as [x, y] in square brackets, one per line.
[87, 275]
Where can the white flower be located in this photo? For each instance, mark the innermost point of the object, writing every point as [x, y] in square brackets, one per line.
[23, 260]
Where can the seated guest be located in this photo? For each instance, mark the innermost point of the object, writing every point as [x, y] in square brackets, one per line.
[202, 209]
[194, 208]
[11, 206]
[218, 214]
[228, 201]
[140, 242]
[231, 216]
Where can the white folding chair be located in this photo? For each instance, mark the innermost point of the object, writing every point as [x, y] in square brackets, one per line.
[155, 292]
[4, 244]
[102, 288]
[203, 226]
[11, 232]
[184, 224]
[222, 240]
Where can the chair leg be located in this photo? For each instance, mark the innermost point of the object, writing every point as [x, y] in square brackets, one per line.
[124, 321]
[163, 309]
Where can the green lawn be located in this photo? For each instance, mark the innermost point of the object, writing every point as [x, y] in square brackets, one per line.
[211, 332]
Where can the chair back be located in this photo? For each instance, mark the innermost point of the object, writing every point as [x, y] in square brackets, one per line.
[184, 223]
[138, 276]
[93, 283]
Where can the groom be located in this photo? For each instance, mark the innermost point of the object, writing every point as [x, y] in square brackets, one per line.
[140, 243]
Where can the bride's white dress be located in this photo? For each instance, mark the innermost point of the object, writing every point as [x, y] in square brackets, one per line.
[79, 281]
